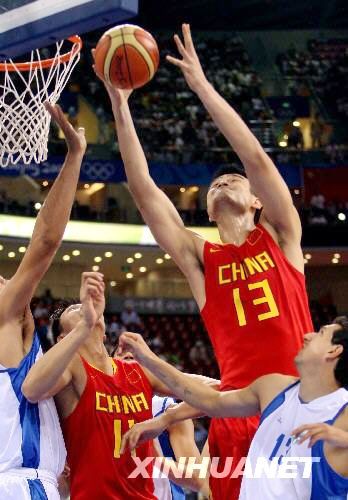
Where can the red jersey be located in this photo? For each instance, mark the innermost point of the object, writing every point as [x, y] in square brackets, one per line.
[108, 407]
[256, 310]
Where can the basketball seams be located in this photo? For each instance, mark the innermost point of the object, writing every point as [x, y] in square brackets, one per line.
[133, 42]
[126, 46]
[126, 57]
[138, 51]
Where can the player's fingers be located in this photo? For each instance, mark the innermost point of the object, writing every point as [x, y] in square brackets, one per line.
[124, 443]
[309, 434]
[92, 274]
[52, 110]
[95, 286]
[321, 434]
[94, 282]
[180, 45]
[134, 440]
[176, 62]
[186, 31]
[93, 291]
[93, 54]
[314, 439]
[94, 279]
[132, 336]
[301, 429]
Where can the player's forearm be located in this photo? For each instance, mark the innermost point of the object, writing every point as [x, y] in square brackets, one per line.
[55, 212]
[193, 483]
[184, 387]
[231, 125]
[181, 412]
[45, 373]
[132, 153]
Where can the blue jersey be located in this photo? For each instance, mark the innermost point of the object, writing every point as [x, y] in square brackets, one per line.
[30, 434]
[278, 467]
[164, 488]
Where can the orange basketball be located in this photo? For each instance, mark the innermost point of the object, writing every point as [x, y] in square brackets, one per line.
[126, 56]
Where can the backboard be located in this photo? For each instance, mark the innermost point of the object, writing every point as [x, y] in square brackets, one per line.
[26, 24]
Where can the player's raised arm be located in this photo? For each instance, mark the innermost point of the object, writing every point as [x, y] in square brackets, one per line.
[157, 210]
[239, 403]
[54, 370]
[264, 177]
[50, 224]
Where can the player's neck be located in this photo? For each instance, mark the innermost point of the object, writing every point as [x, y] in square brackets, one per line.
[94, 352]
[316, 385]
[235, 228]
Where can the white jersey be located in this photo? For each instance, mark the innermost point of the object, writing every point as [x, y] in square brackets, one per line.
[31, 439]
[313, 478]
[165, 489]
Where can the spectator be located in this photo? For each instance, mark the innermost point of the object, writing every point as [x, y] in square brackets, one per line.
[130, 318]
[317, 130]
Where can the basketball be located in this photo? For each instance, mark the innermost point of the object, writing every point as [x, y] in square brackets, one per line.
[126, 56]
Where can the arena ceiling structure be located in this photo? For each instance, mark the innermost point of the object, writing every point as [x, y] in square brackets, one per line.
[245, 14]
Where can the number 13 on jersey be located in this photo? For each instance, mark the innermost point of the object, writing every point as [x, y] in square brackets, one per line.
[266, 298]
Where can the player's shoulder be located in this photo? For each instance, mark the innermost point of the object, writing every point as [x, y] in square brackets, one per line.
[342, 418]
[270, 386]
[276, 380]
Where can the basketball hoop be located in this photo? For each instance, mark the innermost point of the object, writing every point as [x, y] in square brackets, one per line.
[25, 86]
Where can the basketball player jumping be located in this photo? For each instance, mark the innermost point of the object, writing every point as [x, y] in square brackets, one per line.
[32, 451]
[251, 288]
[303, 420]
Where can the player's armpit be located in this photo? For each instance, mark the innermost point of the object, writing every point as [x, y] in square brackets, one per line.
[61, 384]
[33, 393]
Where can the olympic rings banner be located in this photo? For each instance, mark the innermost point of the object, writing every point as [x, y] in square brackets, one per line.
[112, 171]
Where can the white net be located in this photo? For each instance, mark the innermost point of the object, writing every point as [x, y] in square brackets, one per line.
[24, 121]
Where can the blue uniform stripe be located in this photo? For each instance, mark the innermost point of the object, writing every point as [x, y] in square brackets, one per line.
[37, 491]
[276, 402]
[28, 412]
[326, 482]
[168, 452]
[177, 492]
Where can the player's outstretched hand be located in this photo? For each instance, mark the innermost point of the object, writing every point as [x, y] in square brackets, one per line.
[117, 96]
[142, 432]
[317, 432]
[92, 297]
[134, 343]
[75, 139]
[189, 64]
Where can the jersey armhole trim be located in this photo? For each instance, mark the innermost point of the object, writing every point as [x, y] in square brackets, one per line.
[276, 402]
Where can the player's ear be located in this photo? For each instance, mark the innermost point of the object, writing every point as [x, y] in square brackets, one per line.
[257, 203]
[334, 352]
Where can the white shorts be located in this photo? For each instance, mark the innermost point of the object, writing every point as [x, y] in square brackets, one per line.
[28, 484]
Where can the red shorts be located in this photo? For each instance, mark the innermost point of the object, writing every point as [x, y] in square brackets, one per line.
[229, 437]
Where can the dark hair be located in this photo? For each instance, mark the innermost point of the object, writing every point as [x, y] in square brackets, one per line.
[235, 168]
[56, 315]
[340, 337]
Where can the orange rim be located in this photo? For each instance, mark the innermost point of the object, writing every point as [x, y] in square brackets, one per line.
[46, 63]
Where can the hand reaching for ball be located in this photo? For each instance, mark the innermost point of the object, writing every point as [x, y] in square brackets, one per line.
[189, 64]
[117, 96]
